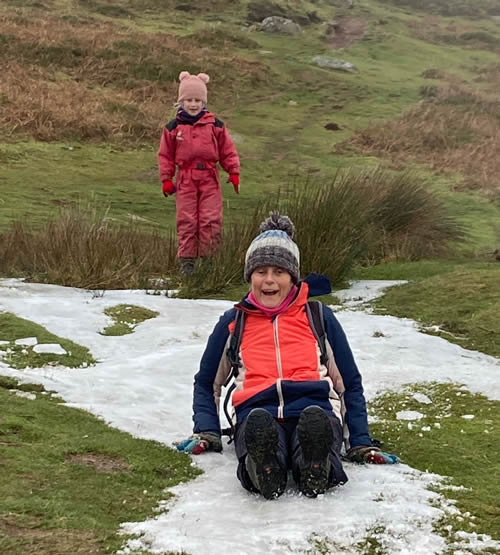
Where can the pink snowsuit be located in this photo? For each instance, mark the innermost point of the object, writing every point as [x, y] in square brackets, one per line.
[195, 149]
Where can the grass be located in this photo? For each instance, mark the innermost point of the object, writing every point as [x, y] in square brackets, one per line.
[126, 317]
[84, 248]
[464, 304]
[17, 356]
[445, 443]
[68, 480]
[358, 215]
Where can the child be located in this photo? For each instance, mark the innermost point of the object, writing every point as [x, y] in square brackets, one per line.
[194, 142]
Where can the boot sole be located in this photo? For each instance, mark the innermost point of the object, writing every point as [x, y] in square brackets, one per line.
[315, 436]
[261, 438]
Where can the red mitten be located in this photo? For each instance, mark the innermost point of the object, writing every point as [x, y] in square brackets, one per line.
[168, 187]
[234, 178]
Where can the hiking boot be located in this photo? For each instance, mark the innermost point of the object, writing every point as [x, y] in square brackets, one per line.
[261, 439]
[187, 266]
[315, 436]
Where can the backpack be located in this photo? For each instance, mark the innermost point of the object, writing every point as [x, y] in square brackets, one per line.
[314, 311]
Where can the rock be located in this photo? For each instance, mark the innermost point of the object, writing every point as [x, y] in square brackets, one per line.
[292, 103]
[334, 63]
[497, 255]
[333, 127]
[280, 25]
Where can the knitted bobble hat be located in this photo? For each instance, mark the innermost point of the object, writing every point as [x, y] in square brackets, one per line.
[193, 86]
[274, 247]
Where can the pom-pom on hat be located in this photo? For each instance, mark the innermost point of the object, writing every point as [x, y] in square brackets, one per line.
[274, 247]
[193, 86]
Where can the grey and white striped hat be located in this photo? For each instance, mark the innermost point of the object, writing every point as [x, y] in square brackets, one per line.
[274, 247]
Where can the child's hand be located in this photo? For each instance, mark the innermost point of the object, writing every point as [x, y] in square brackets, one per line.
[199, 443]
[370, 454]
[234, 178]
[168, 187]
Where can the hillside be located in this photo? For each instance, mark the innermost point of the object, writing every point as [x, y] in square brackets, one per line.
[88, 85]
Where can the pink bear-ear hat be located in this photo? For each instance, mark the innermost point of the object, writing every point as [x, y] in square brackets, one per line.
[203, 76]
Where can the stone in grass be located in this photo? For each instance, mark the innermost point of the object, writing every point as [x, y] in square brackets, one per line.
[26, 341]
[334, 63]
[49, 348]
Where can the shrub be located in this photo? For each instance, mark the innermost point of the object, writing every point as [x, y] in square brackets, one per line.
[354, 217]
[83, 248]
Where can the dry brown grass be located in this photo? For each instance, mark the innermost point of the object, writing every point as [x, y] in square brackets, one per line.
[82, 248]
[437, 30]
[457, 130]
[99, 81]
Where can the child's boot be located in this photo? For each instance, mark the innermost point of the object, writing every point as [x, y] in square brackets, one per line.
[187, 266]
[315, 436]
[261, 438]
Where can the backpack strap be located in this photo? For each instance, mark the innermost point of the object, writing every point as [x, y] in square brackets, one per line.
[233, 351]
[233, 354]
[314, 311]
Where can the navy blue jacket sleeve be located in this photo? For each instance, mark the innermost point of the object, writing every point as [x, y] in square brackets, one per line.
[205, 416]
[354, 399]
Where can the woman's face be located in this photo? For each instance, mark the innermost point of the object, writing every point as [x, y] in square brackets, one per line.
[192, 106]
[270, 285]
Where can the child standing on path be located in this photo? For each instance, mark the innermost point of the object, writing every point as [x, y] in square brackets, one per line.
[194, 142]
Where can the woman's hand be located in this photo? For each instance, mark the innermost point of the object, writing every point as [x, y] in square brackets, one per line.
[199, 443]
[370, 454]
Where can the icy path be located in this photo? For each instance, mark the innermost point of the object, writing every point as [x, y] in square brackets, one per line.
[143, 385]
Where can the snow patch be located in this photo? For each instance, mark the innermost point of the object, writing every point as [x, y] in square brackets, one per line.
[26, 341]
[24, 394]
[409, 415]
[50, 348]
[421, 398]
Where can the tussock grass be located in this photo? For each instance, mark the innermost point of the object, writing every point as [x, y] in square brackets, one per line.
[354, 217]
[457, 129]
[83, 248]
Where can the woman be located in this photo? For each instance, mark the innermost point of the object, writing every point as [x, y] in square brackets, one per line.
[294, 404]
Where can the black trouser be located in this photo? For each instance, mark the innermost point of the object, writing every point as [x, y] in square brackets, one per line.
[289, 452]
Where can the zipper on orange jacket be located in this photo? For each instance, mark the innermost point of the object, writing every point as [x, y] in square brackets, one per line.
[280, 369]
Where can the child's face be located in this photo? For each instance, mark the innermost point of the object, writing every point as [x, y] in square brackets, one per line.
[193, 106]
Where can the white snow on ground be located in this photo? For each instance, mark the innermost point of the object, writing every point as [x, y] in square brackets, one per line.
[143, 384]
[362, 291]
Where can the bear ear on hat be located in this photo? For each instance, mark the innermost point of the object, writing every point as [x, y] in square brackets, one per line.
[204, 77]
[184, 75]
